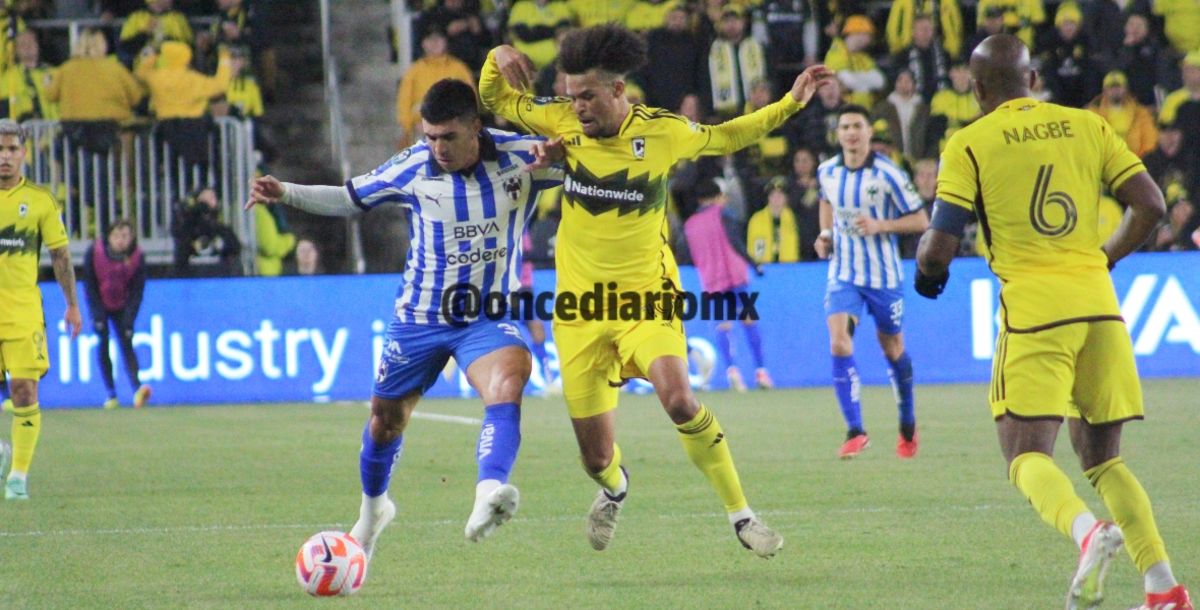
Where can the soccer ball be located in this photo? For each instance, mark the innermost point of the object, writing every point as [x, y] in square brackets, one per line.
[331, 563]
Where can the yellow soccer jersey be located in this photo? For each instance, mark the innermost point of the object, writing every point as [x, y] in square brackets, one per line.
[1033, 172]
[28, 218]
[614, 225]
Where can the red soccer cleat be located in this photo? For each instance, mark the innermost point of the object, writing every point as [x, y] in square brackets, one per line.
[854, 446]
[1175, 599]
[906, 450]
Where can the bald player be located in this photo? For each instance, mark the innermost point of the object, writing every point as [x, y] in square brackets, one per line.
[1032, 174]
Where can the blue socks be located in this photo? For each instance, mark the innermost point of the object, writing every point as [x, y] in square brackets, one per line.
[845, 385]
[724, 347]
[499, 440]
[755, 344]
[901, 372]
[375, 462]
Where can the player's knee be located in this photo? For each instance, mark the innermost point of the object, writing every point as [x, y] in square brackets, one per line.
[596, 459]
[841, 345]
[680, 404]
[725, 326]
[100, 327]
[23, 391]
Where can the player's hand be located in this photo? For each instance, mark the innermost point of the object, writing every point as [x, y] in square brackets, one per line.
[812, 78]
[867, 226]
[547, 153]
[516, 67]
[74, 320]
[265, 190]
[823, 246]
[931, 286]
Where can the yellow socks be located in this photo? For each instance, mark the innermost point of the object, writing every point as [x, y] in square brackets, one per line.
[26, 426]
[1130, 508]
[611, 478]
[1048, 490]
[704, 442]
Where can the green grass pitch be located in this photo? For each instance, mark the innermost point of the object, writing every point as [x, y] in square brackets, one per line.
[205, 507]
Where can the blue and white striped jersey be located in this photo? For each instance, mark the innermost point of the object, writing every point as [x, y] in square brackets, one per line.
[879, 190]
[464, 227]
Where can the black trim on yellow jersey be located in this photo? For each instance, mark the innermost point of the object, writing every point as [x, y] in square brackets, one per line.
[1057, 418]
[1063, 322]
[1120, 174]
[979, 208]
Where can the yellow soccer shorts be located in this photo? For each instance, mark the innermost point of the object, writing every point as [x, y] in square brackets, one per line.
[596, 357]
[23, 354]
[1084, 369]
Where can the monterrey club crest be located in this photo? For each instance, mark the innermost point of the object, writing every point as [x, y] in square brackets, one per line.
[512, 186]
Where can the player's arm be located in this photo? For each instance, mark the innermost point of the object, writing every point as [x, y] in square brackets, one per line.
[506, 76]
[1144, 208]
[824, 243]
[734, 135]
[1126, 177]
[137, 288]
[64, 273]
[907, 204]
[319, 199]
[952, 211]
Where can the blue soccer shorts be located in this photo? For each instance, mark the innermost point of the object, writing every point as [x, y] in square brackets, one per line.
[415, 354]
[886, 305]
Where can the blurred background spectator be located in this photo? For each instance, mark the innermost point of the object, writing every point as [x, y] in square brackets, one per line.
[308, 258]
[273, 239]
[434, 65]
[24, 85]
[772, 234]
[1131, 120]
[204, 245]
[735, 63]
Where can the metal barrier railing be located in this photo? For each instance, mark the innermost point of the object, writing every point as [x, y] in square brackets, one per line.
[138, 176]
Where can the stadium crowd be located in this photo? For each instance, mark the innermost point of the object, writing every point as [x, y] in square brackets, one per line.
[172, 65]
[1136, 63]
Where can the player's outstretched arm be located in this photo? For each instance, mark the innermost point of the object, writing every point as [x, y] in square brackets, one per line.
[1144, 209]
[64, 273]
[320, 200]
[736, 134]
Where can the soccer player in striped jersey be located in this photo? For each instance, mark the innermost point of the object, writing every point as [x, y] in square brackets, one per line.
[614, 232]
[468, 193]
[1032, 173]
[866, 201]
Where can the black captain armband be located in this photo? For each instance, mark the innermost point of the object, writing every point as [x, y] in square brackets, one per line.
[950, 219]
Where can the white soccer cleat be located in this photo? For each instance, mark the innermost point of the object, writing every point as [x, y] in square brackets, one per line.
[756, 536]
[1099, 547]
[491, 512]
[602, 520]
[370, 524]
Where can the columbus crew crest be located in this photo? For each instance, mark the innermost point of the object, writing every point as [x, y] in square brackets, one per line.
[23, 209]
[639, 148]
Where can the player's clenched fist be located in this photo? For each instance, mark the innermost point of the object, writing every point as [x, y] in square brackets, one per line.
[812, 78]
[267, 190]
